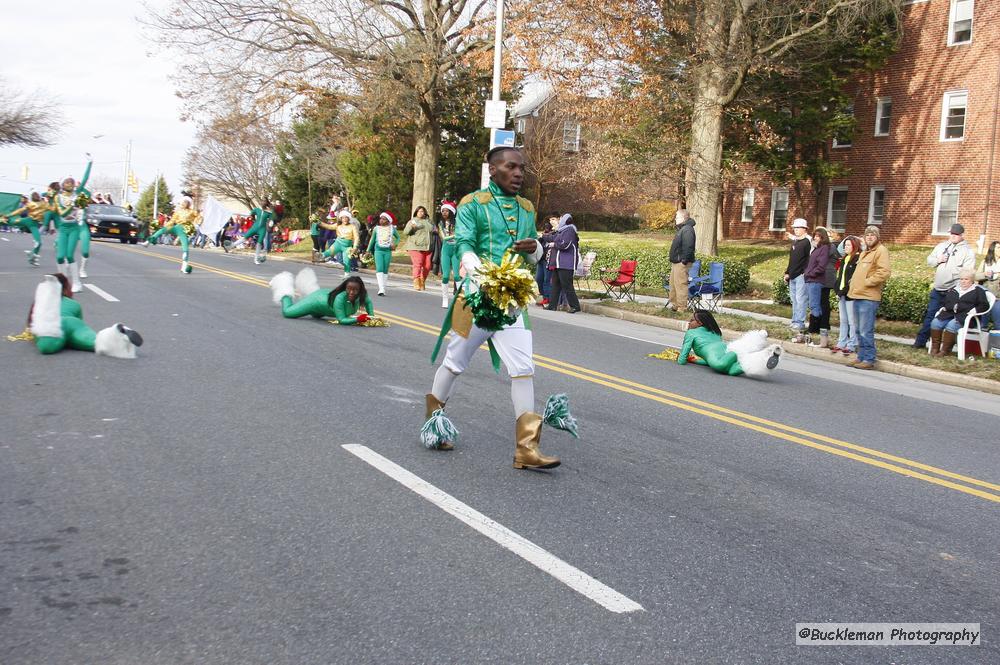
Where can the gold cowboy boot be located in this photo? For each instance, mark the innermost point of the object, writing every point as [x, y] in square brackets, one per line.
[433, 404]
[529, 433]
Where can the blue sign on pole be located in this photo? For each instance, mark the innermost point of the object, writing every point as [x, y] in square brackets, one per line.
[503, 137]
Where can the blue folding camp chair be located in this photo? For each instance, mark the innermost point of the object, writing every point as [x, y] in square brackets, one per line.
[705, 292]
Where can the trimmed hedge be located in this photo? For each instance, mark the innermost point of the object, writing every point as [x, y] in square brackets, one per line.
[588, 221]
[654, 264]
[903, 299]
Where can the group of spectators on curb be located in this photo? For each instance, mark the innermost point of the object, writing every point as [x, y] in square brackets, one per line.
[857, 269]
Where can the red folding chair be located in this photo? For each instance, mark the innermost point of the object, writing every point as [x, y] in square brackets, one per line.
[622, 286]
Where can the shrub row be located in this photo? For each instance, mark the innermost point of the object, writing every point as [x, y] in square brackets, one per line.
[903, 299]
[654, 264]
[586, 221]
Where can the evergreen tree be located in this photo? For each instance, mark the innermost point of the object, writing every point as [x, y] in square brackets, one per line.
[144, 206]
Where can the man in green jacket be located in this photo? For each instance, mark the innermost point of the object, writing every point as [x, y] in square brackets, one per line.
[489, 222]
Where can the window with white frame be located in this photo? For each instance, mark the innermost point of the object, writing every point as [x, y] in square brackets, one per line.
[836, 211]
[945, 208]
[953, 110]
[519, 126]
[960, 22]
[845, 137]
[883, 116]
[779, 208]
[571, 136]
[748, 196]
[876, 205]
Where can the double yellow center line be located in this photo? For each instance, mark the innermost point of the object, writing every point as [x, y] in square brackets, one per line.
[872, 457]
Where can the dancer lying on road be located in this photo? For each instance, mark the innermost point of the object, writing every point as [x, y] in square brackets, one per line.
[750, 354]
[56, 321]
[348, 304]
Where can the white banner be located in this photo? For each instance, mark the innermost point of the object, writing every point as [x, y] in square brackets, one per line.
[214, 216]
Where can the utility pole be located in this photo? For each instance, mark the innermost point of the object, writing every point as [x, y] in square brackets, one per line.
[128, 166]
[496, 110]
[156, 196]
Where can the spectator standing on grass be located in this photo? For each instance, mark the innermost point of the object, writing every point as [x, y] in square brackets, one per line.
[681, 257]
[564, 257]
[948, 259]
[867, 283]
[820, 276]
[798, 260]
[850, 250]
[989, 276]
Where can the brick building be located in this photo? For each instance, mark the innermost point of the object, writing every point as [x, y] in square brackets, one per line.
[925, 151]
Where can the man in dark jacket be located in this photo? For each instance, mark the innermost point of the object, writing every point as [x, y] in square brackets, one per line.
[795, 273]
[681, 257]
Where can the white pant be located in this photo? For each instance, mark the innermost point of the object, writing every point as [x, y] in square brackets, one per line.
[512, 343]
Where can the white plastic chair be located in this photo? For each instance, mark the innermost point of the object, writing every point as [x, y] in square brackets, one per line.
[974, 326]
[582, 271]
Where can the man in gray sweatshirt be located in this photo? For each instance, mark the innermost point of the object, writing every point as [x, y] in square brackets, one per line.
[948, 258]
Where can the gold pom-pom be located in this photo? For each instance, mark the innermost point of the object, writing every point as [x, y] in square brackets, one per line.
[25, 336]
[507, 285]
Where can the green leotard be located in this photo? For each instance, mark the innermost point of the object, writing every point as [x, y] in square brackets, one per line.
[711, 350]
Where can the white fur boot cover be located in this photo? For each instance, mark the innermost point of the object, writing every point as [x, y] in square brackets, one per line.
[748, 342]
[113, 342]
[282, 284]
[755, 363]
[306, 282]
[46, 316]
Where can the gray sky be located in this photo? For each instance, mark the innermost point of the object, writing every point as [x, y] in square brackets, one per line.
[108, 81]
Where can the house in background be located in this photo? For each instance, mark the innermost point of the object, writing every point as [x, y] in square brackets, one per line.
[554, 142]
[924, 153]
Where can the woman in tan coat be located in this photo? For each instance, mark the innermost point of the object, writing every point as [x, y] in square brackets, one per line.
[418, 245]
[866, 291]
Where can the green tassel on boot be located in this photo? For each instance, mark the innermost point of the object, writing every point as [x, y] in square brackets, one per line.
[557, 414]
[438, 430]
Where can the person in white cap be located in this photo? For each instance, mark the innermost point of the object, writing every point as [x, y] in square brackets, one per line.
[798, 259]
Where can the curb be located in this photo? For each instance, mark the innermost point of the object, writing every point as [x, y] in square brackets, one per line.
[886, 366]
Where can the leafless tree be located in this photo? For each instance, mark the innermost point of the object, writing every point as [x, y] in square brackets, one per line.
[26, 119]
[233, 157]
[402, 47]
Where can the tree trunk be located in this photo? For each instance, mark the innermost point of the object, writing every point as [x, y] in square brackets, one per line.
[425, 163]
[703, 181]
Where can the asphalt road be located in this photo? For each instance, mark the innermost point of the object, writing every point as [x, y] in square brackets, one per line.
[197, 504]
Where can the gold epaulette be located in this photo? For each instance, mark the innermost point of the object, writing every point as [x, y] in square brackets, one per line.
[525, 204]
[484, 197]
[466, 199]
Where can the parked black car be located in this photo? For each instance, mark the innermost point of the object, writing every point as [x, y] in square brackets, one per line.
[108, 221]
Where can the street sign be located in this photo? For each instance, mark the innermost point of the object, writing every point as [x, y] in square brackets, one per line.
[503, 137]
[496, 114]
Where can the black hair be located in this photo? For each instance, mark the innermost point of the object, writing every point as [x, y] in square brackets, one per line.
[708, 321]
[53, 185]
[991, 254]
[418, 209]
[492, 156]
[362, 292]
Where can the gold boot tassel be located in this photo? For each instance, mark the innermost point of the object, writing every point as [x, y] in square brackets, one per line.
[526, 454]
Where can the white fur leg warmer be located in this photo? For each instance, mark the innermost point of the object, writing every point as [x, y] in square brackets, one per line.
[282, 285]
[760, 364]
[113, 342]
[748, 342]
[306, 282]
[46, 315]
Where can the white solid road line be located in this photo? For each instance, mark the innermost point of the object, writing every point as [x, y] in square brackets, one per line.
[5, 239]
[101, 292]
[572, 577]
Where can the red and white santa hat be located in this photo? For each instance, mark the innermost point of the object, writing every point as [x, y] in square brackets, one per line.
[388, 215]
[449, 205]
